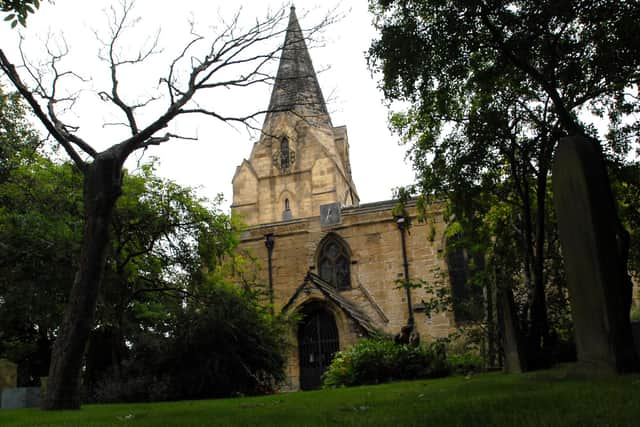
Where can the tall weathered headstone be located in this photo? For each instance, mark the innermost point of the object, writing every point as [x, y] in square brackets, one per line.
[8, 374]
[599, 288]
[514, 361]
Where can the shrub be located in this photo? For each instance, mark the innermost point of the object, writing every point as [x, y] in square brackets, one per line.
[379, 360]
[464, 363]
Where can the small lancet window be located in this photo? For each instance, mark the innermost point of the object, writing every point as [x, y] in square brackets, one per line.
[334, 263]
[286, 205]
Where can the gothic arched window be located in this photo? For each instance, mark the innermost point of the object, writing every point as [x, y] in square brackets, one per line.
[334, 263]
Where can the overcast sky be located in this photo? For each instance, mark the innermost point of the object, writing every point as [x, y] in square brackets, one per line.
[377, 160]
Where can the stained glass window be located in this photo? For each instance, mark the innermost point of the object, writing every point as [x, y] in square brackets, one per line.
[334, 263]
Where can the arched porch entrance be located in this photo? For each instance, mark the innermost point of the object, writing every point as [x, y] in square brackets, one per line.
[318, 341]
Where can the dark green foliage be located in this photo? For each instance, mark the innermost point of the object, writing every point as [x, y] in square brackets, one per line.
[39, 227]
[465, 363]
[163, 238]
[189, 333]
[233, 347]
[437, 52]
[379, 360]
[18, 140]
[229, 345]
[18, 10]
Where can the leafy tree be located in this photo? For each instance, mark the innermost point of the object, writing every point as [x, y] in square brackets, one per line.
[234, 59]
[579, 54]
[164, 286]
[165, 239]
[164, 289]
[494, 85]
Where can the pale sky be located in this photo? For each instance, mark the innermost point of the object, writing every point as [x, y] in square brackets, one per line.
[377, 160]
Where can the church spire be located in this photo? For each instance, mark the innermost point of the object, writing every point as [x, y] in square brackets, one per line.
[296, 87]
[301, 161]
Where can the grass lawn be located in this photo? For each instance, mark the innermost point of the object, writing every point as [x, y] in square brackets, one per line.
[548, 398]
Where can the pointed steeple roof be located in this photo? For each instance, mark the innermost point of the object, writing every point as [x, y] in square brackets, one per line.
[296, 87]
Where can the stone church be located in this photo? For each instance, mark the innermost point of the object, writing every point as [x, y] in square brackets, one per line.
[324, 255]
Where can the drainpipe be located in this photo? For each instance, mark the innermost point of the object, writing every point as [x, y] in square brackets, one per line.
[402, 226]
[269, 241]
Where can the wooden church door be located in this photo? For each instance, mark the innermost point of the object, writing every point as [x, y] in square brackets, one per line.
[318, 342]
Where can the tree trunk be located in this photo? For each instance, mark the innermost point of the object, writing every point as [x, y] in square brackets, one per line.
[539, 322]
[533, 310]
[102, 187]
[491, 326]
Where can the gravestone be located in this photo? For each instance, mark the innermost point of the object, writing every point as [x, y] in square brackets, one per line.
[514, 361]
[599, 288]
[20, 397]
[8, 374]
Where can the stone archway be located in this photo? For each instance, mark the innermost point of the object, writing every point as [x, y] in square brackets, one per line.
[318, 341]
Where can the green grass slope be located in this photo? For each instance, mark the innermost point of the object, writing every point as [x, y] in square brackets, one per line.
[548, 398]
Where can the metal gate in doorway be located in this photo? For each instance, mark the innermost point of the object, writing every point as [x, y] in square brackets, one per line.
[318, 342]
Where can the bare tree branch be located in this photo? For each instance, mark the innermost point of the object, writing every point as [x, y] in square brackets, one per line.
[10, 70]
[51, 98]
[157, 140]
[118, 24]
